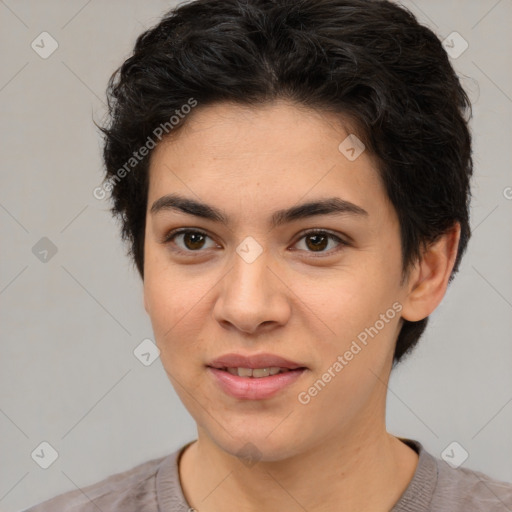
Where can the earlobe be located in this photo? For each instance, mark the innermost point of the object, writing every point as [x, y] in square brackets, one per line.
[429, 279]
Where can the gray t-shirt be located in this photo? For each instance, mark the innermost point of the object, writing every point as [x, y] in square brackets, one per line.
[154, 486]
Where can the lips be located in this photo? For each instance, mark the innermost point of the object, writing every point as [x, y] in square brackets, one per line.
[253, 361]
[249, 388]
[254, 377]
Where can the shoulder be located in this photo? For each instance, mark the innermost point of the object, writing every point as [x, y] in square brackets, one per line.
[469, 490]
[439, 487]
[128, 491]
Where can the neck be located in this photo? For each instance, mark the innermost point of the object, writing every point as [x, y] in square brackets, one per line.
[358, 471]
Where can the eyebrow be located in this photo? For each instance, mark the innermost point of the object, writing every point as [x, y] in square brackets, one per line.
[329, 206]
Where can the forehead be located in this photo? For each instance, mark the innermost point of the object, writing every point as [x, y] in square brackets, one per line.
[279, 127]
[263, 157]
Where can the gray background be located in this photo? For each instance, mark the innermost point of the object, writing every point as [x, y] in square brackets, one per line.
[69, 326]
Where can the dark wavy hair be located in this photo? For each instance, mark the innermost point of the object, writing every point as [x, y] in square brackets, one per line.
[371, 62]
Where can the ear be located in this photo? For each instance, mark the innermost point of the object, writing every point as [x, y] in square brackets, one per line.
[428, 280]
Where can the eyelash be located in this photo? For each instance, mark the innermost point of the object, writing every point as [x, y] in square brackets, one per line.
[173, 234]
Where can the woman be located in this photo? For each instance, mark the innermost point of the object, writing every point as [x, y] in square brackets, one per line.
[293, 178]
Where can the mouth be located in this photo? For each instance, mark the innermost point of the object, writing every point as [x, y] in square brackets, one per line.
[254, 377]
[254, 365]
[258, 373]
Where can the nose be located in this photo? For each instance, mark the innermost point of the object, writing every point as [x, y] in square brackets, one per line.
[253, 296]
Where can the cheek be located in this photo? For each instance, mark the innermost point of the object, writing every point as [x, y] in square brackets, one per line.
[357, 332]
[352, 363]
[166, 290]
[176, 305]
[353, 299]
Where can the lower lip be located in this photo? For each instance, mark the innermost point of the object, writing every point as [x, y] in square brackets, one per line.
[251, 388]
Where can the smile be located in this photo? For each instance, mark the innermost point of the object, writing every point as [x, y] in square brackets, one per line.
[256, 373]
[254, 383]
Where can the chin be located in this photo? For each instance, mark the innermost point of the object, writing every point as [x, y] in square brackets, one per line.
[258, 443]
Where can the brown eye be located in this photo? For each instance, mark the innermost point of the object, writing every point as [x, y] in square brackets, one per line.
[318, 241]
[189, 240]
[193, 240]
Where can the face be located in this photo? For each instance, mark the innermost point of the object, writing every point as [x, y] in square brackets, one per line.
[320, 286]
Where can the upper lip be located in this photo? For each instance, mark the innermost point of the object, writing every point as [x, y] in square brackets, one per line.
[253, 361]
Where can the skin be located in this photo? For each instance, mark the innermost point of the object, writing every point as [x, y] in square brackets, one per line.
[308, 306]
